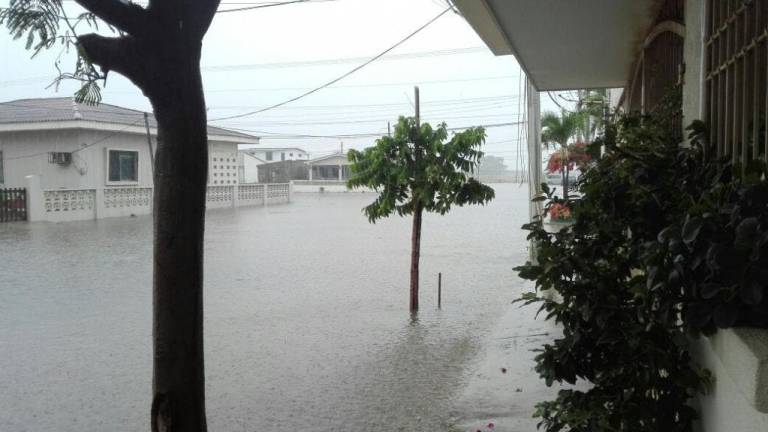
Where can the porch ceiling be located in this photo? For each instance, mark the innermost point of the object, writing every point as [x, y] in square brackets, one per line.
[564, 44]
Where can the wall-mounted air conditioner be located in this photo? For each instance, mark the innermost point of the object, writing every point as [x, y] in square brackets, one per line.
[60, 158]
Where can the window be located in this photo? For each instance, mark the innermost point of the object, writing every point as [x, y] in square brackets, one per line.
[123, 166]
[282, 156]
[290, 154]
[736, 77]
[268, 155]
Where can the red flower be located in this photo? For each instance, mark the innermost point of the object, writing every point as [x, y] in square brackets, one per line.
[491, 425]
[559, 211]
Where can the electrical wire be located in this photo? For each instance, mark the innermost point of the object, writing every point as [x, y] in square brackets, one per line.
[267, 5]
[335, 80]
[277, 135]
[340, 60]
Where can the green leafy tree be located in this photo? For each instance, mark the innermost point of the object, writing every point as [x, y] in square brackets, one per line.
[419, 168]
[158, 48]
[558, 130]
[591, 105]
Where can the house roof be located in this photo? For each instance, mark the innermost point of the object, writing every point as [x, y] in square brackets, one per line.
[246, 154]
[342, 159]
[261, 149]
[65, 113]
[565, 44]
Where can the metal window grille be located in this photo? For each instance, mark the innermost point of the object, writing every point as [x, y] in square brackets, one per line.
[736, 47]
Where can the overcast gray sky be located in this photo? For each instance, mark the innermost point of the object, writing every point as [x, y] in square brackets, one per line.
[253, 59]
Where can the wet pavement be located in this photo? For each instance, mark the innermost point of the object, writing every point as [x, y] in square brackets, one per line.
[306, 324]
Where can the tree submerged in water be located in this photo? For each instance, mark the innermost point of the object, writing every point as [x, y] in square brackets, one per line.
[419, 168]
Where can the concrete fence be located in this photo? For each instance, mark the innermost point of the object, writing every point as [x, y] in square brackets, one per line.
[63, 205]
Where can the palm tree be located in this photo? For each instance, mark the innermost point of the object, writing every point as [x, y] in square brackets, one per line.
[558, 130]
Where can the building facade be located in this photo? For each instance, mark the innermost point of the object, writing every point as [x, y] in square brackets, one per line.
[75, 146]
[80, 162]
[278, 154]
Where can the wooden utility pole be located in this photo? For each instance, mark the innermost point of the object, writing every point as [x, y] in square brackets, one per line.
[418, 207]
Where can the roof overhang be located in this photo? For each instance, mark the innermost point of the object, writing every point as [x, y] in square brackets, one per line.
[333, 159]
[110, 127]
[565, 44]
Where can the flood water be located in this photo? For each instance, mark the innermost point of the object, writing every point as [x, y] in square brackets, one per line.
[306, 317]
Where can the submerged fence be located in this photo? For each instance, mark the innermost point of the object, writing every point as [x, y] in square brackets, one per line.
[61, 205]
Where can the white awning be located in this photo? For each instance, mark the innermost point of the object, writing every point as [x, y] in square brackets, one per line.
[565, 44]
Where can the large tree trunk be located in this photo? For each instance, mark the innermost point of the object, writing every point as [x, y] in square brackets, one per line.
[180, 187]
[415, 254]
[159, 50]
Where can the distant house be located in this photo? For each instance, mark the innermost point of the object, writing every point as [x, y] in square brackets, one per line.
[248, 167]
[283, 171]
[278, 154]
[75, 146]
[331, 167]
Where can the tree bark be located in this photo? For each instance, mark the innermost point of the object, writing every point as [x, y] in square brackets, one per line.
[160, 53]
[415, 255]
[179, 219]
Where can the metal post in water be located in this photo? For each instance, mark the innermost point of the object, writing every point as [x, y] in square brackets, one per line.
[439, 290]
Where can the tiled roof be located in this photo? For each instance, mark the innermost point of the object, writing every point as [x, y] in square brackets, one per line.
[65, 109]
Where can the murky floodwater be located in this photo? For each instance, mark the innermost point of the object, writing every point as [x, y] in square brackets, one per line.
[306, 324]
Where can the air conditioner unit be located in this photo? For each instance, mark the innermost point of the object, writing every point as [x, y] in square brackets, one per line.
[60, 158]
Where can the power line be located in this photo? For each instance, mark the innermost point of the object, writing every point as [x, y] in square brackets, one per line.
[458, 101]
[278, 135]
[267, 5]
[329, 83]
[254, 5]
[370, 85]
[372, 120]
[341, 60]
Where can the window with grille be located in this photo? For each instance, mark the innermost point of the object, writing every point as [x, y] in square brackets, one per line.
[736, 47]
[123, 166]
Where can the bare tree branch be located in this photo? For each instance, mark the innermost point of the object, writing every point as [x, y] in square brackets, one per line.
[127, 17]
[118, 54]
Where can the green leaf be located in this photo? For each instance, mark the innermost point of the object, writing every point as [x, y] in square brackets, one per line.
[691, 229]
[710, 290]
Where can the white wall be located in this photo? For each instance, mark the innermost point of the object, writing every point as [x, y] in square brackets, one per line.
[222, 164]
[290, 154]
[26, 153]
[248, 168]
[738, 400]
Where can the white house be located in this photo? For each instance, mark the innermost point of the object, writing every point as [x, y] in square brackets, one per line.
[83, 162]
[75, 146]
[248, 167]
[275, 154]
